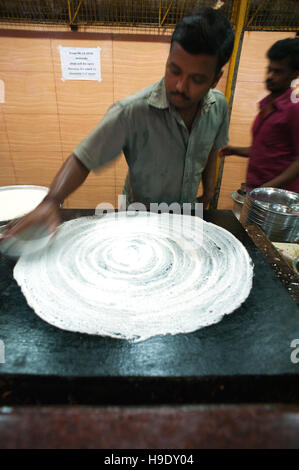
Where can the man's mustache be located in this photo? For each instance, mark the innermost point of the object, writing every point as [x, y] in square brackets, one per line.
[269, 82]
[182, 95]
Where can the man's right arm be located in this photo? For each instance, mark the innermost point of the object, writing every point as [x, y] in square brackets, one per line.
[70, 176]
[231, 150]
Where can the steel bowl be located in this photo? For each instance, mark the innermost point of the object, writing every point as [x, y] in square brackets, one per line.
[275, 211]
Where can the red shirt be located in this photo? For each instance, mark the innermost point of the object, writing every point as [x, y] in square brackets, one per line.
[275, 142]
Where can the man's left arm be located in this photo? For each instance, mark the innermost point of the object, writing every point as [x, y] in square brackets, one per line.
[288, 175]
[221, 139]
[208, 179]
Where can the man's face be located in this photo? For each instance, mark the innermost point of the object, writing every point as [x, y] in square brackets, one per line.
[279, 76]
[189, 77]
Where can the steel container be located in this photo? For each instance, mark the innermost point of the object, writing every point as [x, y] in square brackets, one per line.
[275, 211]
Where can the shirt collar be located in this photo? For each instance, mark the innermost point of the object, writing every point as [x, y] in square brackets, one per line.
[208, 100]
[280, 102]
[158, 98]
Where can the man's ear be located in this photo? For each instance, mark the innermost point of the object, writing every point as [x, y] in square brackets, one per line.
[217, 78]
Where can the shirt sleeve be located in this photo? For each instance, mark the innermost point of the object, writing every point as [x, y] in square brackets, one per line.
[221, 138]
[106, 140]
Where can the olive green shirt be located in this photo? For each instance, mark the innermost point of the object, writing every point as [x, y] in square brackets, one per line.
[165, 160]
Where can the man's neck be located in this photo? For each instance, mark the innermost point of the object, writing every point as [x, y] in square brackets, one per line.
[188, 115]
[276, 94]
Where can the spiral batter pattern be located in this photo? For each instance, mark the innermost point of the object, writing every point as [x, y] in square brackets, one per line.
[134, 276]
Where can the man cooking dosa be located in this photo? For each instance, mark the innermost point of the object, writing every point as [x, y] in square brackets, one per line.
[169, 132]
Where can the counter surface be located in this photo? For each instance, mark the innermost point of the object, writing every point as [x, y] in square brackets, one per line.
[245, 357]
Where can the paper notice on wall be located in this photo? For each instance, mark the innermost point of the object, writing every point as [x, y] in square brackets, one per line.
[80, 63]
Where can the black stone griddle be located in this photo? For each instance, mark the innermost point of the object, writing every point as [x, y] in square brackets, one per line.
[244, 358]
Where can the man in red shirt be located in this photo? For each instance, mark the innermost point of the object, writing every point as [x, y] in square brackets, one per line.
[274, 153]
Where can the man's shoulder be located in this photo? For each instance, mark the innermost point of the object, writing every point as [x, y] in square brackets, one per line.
[216, 103]
[139, 98]
[218, 96]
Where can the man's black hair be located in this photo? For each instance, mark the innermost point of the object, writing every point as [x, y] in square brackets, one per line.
[286, 48]
[205, 31]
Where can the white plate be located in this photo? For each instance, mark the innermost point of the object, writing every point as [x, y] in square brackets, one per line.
[16, 201]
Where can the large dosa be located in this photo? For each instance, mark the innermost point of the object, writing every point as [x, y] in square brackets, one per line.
[136, 276]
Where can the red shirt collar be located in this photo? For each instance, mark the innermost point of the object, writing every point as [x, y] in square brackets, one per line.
[280, 102]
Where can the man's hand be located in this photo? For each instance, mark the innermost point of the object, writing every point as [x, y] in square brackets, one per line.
[206, 199]
[230, 150]
[47, 213]
[227, 150]
[287, 176]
